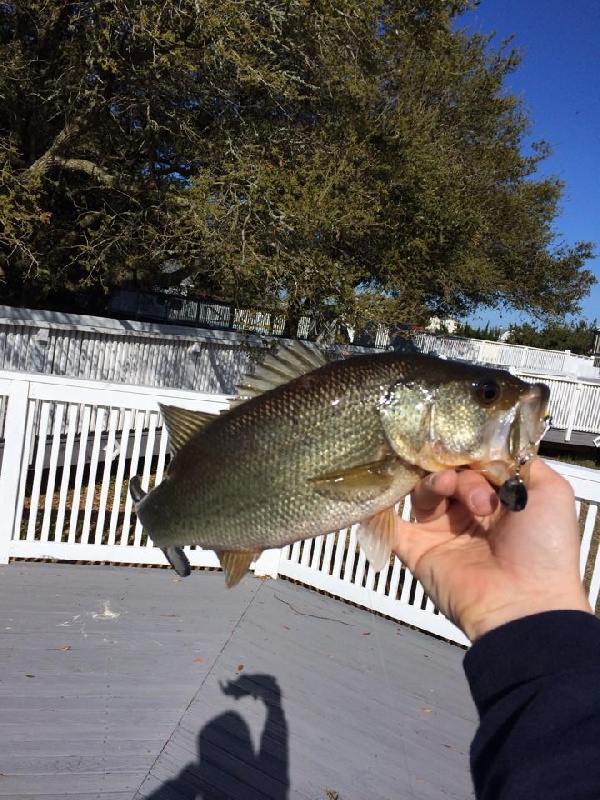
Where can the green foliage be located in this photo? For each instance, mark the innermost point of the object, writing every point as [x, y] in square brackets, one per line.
[578, 337]
[490, 333]
[346, 159]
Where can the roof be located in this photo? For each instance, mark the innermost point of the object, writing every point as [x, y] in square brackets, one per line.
[125, 682]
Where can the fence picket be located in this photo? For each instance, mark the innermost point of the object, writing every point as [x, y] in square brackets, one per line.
[350, 556]
[59, 411]
[133, 470]
[122, 449]
[151, 435]
[586, 539]
[339, 553]
[306, 547]
[595, 582]
[39, 470]
[26, 458]
[360, 568]
[329, 544]
[14, 464]
[73, 416]
[317, 550]
[407, 586]
[382, 578]
[109, 448]
[419, 595]
[295, 552]
[371, 577]
[395, 579]
[162, 452]
[81, 463]
[93, 468]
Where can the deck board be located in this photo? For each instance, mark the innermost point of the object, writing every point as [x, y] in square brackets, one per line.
[112, 688]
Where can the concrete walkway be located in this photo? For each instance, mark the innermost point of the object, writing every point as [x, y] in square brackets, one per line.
[120, 682]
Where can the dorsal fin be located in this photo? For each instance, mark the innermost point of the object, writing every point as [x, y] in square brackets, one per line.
[182, 424]
[291, 360]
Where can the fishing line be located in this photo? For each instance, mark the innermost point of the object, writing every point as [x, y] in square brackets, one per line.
[388, 684]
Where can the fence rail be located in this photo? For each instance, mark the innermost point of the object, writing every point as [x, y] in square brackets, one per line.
[71, 445]
[214, 361]
[153, 354]
[574, 404]
[138, 353]
[507, 355]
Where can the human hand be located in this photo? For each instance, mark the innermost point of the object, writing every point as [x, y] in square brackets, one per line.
[259, 686]
[484, 566]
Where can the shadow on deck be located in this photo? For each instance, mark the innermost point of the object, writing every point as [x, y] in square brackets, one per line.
[121, 683]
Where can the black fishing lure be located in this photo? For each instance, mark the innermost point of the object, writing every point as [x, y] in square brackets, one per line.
[513, 493]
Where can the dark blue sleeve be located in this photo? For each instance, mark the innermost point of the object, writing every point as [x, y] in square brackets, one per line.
[536, 685]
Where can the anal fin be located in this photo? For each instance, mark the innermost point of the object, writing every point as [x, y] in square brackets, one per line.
[235, 564]
[377, 537]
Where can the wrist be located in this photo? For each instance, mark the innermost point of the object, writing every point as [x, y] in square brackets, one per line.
[477, 626]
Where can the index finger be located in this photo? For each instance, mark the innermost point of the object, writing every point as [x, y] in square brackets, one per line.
[430, 495]
[433, 494]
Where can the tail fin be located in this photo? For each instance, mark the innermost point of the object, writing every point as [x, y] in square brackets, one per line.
[135, 489]
[178, 560]
[175, 555]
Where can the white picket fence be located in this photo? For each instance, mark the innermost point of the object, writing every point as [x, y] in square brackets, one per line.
[70, 446]
[208, 361]
[122, 351]
[574, 402]
[505, 355]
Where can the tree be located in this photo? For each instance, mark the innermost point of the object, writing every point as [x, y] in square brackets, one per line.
[353, 160]
[578, 337]
[491, 333]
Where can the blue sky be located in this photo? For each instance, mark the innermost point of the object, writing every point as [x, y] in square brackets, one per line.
[559, 82]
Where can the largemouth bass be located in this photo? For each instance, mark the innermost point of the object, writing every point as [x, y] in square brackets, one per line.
[312, 447]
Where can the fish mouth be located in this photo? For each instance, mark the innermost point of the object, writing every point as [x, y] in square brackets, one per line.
[516, 435]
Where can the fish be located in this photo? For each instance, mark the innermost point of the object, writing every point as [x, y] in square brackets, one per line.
[311, 446]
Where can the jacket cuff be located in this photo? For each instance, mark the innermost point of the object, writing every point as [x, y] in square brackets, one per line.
[537, 646]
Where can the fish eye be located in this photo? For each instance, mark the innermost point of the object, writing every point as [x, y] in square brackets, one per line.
[487, 392]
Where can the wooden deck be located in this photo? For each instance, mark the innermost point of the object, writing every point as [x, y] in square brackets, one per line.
[119, 683]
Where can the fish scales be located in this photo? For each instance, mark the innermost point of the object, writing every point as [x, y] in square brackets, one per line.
[336, 445]
[247, 476]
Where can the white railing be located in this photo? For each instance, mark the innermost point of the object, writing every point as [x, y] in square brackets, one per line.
[139, 353]
[334, 564]
[70, 446]
[506, 355]
[167, 307]
[145, 354]
[574, 403]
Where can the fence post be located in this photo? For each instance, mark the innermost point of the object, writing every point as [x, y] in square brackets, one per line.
[573, 411]
[12, 462]
[267, 564]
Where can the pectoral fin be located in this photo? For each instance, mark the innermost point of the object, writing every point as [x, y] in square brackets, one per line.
[357, 484]
[377, 536]
[235, 564]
